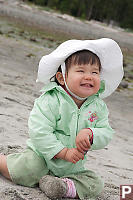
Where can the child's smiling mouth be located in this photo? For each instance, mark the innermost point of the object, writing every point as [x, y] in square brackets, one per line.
[86, 85]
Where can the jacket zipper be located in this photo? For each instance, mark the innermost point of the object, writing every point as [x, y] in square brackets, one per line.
[78, 115]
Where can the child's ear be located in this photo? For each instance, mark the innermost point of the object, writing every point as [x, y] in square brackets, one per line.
[60, 78]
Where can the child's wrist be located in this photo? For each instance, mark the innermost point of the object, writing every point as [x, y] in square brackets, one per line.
[65, 154]
[90, 133]
[62, 154]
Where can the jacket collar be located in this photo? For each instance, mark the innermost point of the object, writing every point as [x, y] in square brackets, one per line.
[54, 85]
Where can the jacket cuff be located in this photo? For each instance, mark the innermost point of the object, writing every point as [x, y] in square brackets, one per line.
[91, 139]
[52, 154]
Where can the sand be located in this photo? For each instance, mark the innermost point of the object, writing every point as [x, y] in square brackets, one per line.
[18, 90]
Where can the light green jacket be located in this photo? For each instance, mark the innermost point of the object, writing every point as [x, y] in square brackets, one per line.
[55, 122]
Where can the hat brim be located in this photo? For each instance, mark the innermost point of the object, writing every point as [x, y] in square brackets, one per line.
[106, 49]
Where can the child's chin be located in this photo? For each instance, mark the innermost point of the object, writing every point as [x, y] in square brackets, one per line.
[87, 95]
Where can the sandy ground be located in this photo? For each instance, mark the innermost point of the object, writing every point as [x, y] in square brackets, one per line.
[18, 90]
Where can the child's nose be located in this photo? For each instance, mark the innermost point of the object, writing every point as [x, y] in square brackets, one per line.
[88, 76]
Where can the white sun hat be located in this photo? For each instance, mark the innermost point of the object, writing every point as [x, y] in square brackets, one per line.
[106, 49]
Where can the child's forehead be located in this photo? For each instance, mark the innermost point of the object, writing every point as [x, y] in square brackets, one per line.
[88, 65]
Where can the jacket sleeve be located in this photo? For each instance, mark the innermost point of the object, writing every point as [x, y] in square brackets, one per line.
[42, 123]
[102, 132]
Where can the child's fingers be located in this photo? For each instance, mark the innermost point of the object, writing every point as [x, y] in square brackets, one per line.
[81, 155]
[75, 159]
[80, 150]
[87, 143]
[84, 144]
[81, 147]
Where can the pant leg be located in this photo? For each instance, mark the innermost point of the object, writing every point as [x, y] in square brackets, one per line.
[87, 183]
[26, 168]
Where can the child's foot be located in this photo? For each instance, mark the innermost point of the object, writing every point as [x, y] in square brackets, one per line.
[56, 188]
[53, 187]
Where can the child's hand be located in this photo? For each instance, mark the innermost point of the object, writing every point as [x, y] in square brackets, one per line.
[83, 140]
[73, 155]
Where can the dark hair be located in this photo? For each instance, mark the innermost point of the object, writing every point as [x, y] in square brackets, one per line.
[79, 58]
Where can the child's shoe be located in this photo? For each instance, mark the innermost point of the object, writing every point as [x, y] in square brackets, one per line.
[55, 187]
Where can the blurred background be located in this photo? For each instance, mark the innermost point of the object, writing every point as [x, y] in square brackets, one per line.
[112, 12]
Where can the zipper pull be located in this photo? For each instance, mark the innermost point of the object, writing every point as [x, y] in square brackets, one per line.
[78, 112]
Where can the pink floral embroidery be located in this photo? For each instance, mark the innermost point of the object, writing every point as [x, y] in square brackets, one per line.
[93, 117]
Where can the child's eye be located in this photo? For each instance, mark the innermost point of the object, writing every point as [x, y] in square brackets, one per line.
[95, 72]
[80, 71]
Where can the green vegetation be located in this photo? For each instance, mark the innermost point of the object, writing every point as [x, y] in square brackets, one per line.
[11, 29]
[116, 12]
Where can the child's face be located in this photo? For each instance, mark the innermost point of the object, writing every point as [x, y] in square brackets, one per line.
[83, 80]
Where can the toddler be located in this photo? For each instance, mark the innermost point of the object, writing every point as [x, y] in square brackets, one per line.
[68, 119]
